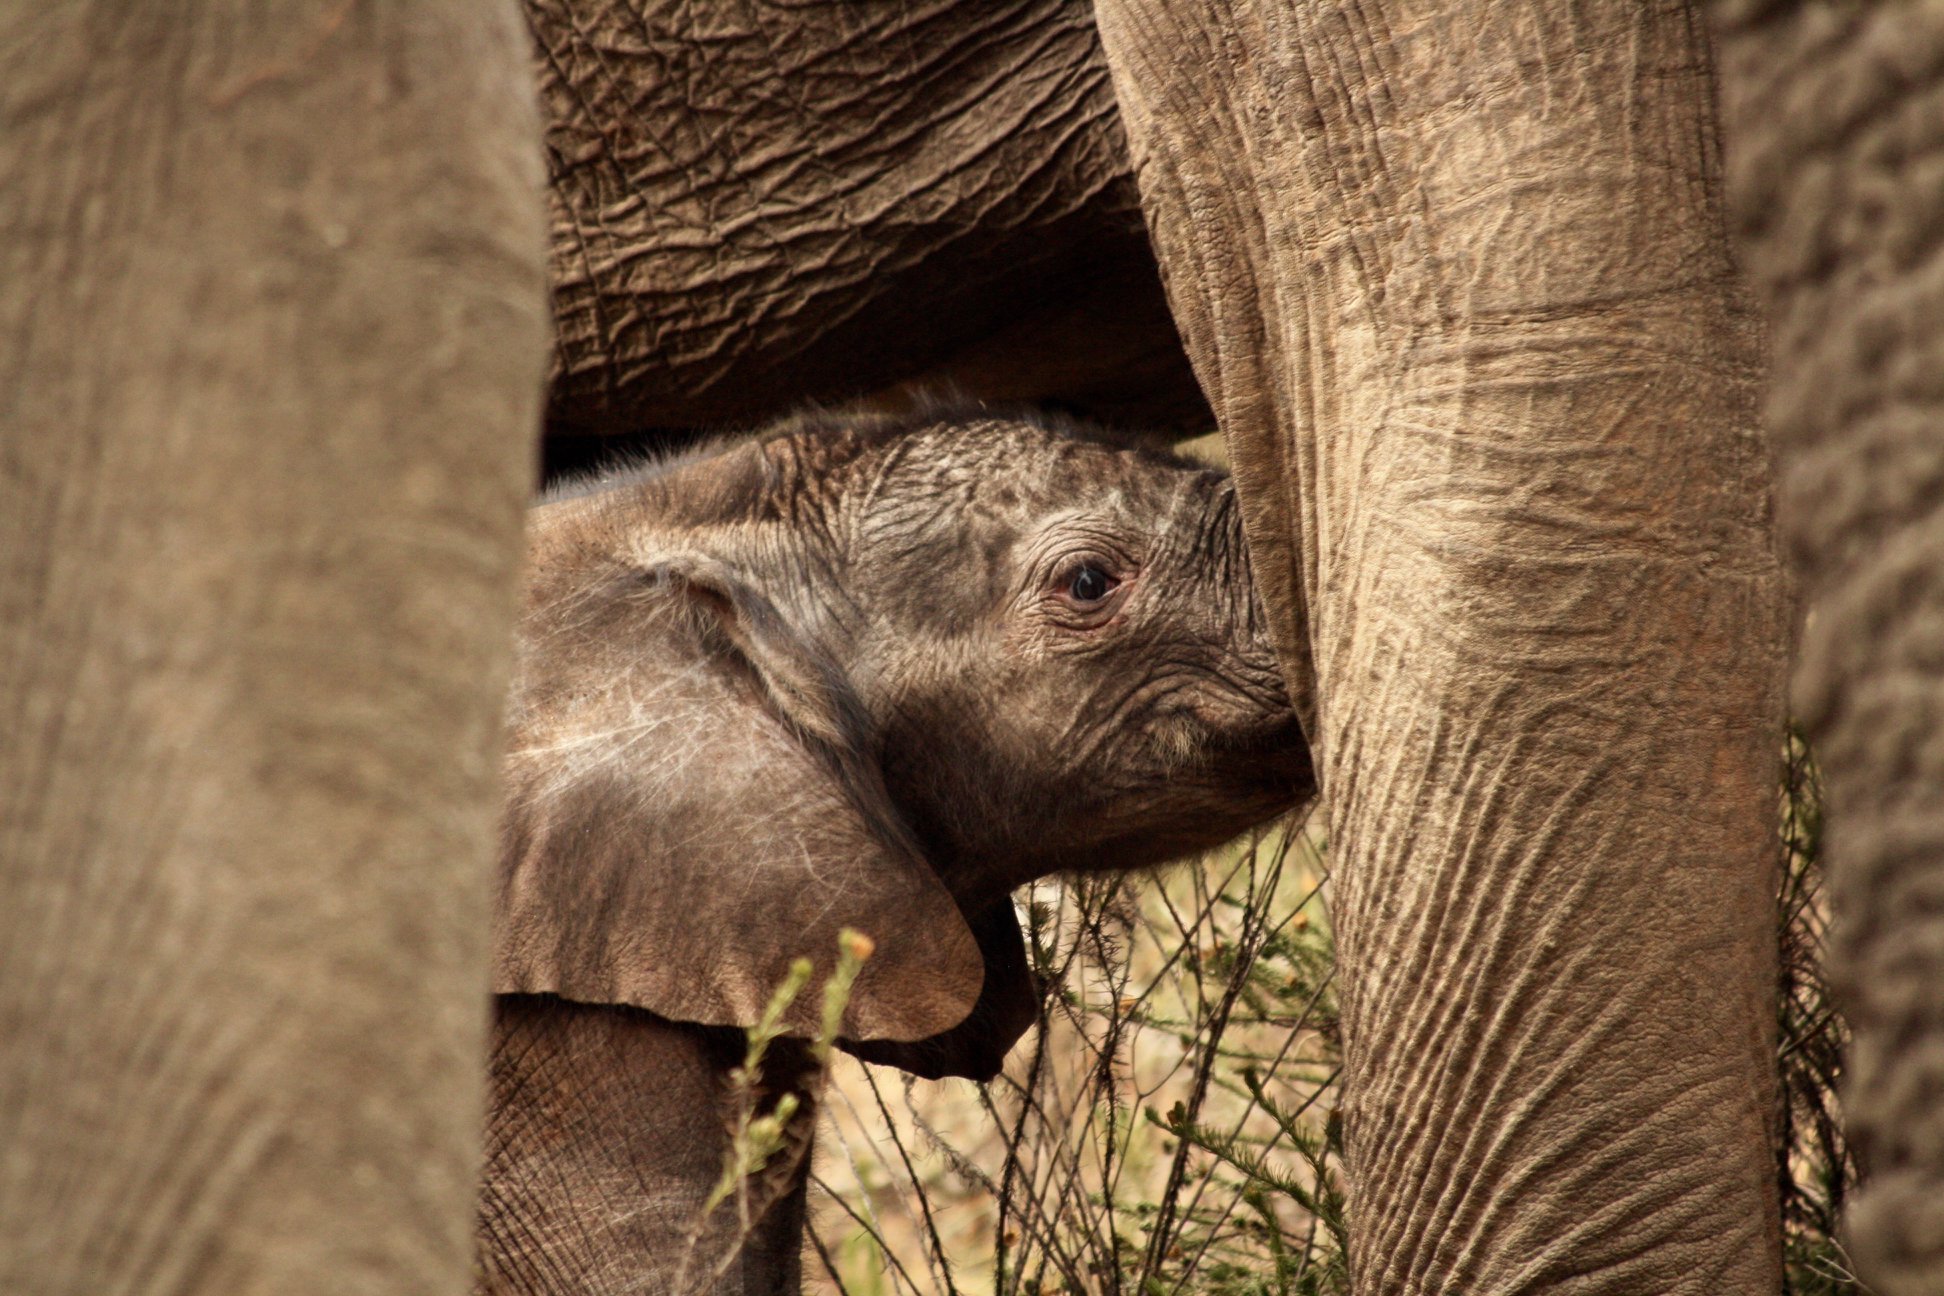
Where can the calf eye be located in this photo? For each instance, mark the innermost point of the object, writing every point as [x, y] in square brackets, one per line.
[1089, 584]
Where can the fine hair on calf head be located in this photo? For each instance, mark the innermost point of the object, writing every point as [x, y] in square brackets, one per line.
[872, 671]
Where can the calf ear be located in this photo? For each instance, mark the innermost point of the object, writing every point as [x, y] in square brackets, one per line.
[1008, 1004]
[688, 811]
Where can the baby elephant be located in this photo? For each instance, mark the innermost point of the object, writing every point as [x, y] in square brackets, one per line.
[857, 672]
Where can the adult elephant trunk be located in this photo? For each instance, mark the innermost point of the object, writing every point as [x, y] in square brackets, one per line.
[1453, 277]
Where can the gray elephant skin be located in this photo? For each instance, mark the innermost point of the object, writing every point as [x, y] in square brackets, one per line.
[864, 672]
[1454, 277]
[755, 205]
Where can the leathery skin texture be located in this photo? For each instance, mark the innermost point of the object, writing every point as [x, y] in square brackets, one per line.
[272, 330]
[747, 717]
[573, 1088]
[754, 205]
[1834, 121]
[1455, 278]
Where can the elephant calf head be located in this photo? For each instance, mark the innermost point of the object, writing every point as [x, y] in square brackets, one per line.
[854, 673]
[872, 673]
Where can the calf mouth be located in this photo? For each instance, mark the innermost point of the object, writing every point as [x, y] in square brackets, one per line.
[1274, 758]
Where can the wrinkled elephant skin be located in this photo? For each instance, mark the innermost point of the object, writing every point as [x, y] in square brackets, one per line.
[758, 205]
[1834, 119]
[1455, 279]
[272, 334]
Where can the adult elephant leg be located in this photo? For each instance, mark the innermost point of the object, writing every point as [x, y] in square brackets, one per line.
[272, 334]
[1453, 277]
[1834, 120]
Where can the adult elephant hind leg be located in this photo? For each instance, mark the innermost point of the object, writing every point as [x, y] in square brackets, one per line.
[1453, 276]
[1834, 124]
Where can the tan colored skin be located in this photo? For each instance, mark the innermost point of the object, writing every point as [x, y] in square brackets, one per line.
[836, 676]
[1454, 277]
[200, 290]
[269, 395]
[1834, 121]
[754, 205]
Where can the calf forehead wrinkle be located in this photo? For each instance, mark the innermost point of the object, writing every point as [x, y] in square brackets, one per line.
[911, 568]
[979, 532]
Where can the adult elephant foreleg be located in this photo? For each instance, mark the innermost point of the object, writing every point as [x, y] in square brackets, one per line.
[1834, 122]
[1453, 277]
[272, 334]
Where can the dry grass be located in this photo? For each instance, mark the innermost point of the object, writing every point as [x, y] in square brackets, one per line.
[1168, 1129]
[1814, 1166]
